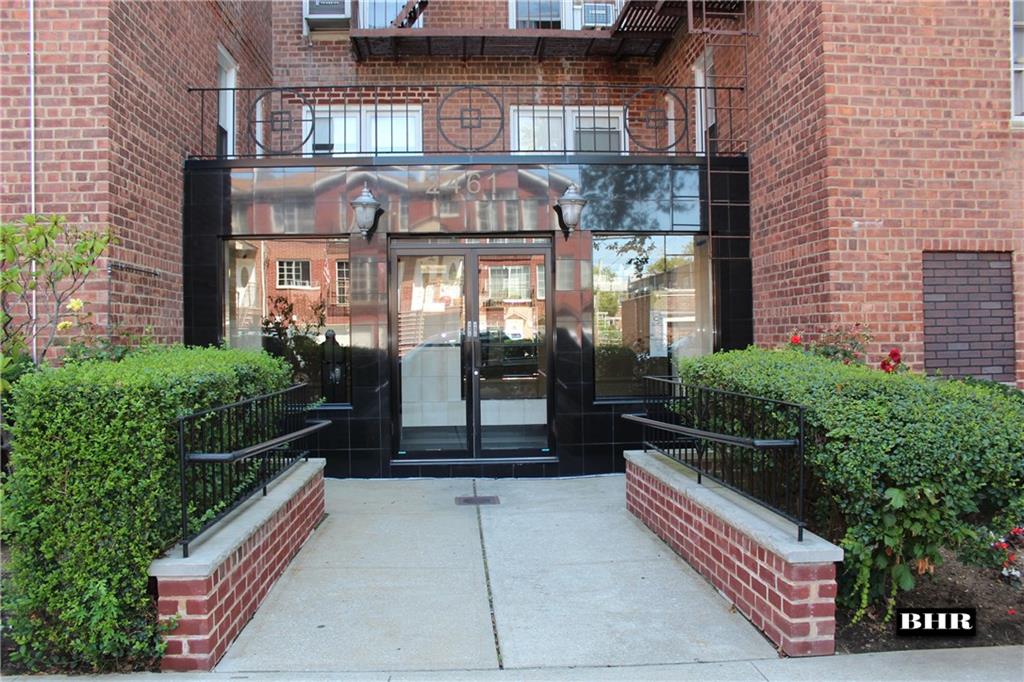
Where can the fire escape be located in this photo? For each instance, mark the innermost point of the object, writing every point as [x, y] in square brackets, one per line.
[642, 28]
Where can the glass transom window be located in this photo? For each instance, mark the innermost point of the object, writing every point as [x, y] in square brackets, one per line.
[348, 130]
[568, 129]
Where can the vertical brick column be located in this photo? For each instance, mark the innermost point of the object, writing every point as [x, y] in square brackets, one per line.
[789, 595]
[212, 606]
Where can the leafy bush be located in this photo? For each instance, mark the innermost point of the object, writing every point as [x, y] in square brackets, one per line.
[94, 497]
[43, 258]
[905, 461]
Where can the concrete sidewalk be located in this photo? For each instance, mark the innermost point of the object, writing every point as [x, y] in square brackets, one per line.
[984, 664]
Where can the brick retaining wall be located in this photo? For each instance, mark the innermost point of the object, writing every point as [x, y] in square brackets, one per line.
[214, 601]
[790, 598]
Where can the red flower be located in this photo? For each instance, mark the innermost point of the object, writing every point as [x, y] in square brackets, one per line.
[795, 339]
[1017, 531]
[1011, 558]
[1011, 612]
[1000, 545]
[894, 355]
[887, 366]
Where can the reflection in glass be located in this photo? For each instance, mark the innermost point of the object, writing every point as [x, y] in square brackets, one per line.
[652, 304]
[513, 357]
[282, 295]
[431, 317]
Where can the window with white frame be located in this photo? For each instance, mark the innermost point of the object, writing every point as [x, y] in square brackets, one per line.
[292, 217]
[341, 282]
[567, 15]
[486, 215]
[705, 118]
[509, 282]
[448, 204]
[259, 127]
[535, 14]
[568, 129]
[353, 130]
[380, 13]
[541, 283]
[227, 79]
[1017, 66]
[293, 273]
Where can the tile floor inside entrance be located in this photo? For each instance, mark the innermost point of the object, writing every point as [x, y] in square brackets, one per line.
[558, 574]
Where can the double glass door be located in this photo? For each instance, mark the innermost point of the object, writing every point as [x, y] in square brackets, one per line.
[471, 348]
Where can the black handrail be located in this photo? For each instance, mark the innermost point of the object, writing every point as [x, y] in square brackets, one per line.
[751, 445]
[229, 452]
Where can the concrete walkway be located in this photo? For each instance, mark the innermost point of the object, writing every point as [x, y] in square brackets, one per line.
[559, 574]
[557, 582]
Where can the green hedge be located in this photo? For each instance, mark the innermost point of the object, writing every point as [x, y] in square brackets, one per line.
[94, 497]
[903, 463]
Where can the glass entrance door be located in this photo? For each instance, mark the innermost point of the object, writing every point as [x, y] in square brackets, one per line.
[513, 363]
[432, 353]
[471, 346]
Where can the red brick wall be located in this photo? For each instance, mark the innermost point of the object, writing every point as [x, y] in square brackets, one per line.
[157, 51]
[921, 151]
[788, 171]
[879, 131]
[113, 126]
[793, 604]
[212, 610]
[72, 112]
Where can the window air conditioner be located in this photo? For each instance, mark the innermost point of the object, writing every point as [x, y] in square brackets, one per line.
[327, 13]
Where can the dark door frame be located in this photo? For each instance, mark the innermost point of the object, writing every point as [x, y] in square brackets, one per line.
[459, 245]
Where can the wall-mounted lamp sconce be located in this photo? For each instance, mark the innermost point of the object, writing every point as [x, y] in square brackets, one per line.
[368, 212]
[569, 207]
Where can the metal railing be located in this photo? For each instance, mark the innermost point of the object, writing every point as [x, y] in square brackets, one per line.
[751, 445]
[494, 119]
[228, 453]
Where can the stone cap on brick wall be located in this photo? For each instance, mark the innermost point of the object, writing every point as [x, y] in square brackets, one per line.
[211, 550]
[763, 526]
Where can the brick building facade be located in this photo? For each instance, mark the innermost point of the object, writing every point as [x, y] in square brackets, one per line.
[113, 129]
[839, 161]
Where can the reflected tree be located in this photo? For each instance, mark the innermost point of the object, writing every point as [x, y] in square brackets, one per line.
[618, 196]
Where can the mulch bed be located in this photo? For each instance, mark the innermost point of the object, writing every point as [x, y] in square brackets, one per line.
[954, 584]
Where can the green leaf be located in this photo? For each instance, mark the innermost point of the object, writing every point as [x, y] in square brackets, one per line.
[903, 577]
[897, 498]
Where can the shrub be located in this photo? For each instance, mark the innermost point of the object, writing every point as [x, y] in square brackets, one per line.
[844, 344]
[905, 461]
[94, 497]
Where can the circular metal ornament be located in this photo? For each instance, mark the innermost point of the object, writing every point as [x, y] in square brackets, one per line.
[470, 118]
[275, 108]
[656, 118]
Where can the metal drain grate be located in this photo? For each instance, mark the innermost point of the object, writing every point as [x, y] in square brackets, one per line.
[477, 499]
